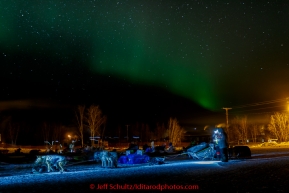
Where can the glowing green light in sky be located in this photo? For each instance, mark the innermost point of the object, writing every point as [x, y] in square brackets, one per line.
[142, 44]
[206, 52]
[146, 62]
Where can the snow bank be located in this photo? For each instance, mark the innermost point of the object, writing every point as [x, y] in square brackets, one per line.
[271, 144]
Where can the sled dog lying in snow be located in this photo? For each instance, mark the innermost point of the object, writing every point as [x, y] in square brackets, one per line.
[108, 159]
[52, 162]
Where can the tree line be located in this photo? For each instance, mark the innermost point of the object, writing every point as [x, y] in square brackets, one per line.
[240, 130]
[88, 123]
[94, 121]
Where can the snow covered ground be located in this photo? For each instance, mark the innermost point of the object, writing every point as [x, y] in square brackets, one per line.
[268, 170]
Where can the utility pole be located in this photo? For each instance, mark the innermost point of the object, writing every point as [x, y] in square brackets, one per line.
[227, 118]
[287, 103]
[127, 132]
[119, 135]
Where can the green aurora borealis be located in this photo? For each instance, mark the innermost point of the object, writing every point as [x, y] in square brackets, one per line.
[141, 65]
[195, 49]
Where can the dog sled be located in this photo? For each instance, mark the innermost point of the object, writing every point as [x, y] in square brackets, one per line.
[203, 151]
[208, 151]
[109, 159]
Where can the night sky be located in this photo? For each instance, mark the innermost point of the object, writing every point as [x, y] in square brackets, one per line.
[144, 60]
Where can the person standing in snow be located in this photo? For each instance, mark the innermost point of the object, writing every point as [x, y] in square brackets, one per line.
[153, 146]
[170, 148]
[220, 140]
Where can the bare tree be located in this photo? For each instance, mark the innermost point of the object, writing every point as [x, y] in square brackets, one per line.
[119, 134]
[174, 131]
[148, 132]
[13, 128]
[235, 135]
[239, 128]
[46, 131]
[244, 128]
[279, 126]
[57, 130]
[80, 120]
[104, 119]
[94, 120]
[136, 131]
[3, 127]
[254, 130]
[160, 131]
[145, 133]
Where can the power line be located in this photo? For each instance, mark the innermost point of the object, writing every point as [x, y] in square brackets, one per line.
[259, 109]
[266, 105]
[260, 103]
[267, 112]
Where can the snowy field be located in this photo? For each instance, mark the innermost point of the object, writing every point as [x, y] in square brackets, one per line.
[268, 170]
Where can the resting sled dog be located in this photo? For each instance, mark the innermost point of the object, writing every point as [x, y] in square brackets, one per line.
[108, 159]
